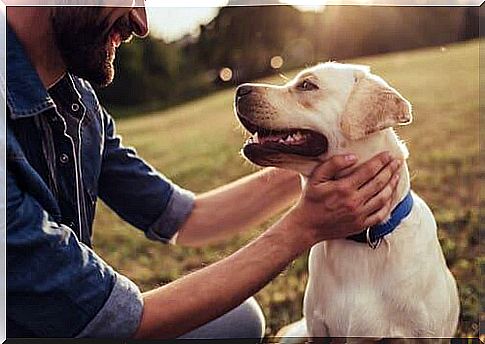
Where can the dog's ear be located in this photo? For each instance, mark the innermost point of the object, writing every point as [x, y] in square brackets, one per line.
[373, 105]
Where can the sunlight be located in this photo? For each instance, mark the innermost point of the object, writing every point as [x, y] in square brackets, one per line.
[186, 3]
[355, 2]
[307, 5]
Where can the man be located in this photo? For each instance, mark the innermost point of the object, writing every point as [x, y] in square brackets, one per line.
[63, 153]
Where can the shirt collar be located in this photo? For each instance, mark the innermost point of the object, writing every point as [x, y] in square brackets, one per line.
[26, 95]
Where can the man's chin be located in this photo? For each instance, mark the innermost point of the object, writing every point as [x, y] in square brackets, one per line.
[106, 80]
[98, 78]
[96, 66]
[106, 72]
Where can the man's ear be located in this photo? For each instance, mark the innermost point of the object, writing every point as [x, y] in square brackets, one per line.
[373, 105]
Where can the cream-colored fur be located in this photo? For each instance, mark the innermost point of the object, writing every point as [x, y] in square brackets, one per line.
[401, 289]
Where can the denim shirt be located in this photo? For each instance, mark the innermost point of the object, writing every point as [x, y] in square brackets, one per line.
[62, 154]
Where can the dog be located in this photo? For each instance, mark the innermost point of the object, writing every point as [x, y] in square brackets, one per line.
[391, 280]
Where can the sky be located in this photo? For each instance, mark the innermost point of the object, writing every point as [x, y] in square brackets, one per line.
[171, 22]
[180, 17]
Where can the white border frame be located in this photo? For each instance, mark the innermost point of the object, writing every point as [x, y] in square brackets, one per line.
[3, 169]
[129, 3]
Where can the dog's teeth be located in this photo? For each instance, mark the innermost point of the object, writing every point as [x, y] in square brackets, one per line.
[255, 138]
[281, 141]
[299, 136]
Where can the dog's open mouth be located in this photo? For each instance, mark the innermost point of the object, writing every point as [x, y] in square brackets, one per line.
[302, 142]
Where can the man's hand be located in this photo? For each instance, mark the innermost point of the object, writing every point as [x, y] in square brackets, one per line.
[336, 208]
[328, 209]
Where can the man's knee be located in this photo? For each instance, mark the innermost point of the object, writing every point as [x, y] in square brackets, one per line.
[252, 319]
[245, 321]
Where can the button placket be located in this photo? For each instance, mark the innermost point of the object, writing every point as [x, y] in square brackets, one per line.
[69, 120]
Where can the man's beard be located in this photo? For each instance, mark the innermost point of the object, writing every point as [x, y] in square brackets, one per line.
[82, 36]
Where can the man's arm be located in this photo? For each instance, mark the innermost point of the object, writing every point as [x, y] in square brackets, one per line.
[238, 206]
[151, 202]
[137, 192]
[56, 286]
[206, 294]
[329, 209]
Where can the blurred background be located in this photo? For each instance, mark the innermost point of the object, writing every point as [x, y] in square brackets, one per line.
[194, 51]
[173, 95]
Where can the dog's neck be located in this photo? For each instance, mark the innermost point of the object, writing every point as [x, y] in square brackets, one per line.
[385, 140]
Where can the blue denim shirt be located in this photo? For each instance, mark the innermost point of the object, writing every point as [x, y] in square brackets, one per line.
[62, 154]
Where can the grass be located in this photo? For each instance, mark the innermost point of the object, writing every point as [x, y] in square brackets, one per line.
[197, 145]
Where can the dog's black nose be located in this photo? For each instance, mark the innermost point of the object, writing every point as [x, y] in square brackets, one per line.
[243, 90]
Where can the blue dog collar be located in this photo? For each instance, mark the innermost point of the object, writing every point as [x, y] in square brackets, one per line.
[373, 235]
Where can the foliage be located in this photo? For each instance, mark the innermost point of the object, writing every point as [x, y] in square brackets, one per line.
[244, 39]
[154, 74]
[197, 143]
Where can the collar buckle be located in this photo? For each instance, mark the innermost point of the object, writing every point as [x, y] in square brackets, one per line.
[372, 236]
[372, 244]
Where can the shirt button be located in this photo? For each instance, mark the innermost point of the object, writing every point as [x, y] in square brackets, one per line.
[75, 107]
[64, 158]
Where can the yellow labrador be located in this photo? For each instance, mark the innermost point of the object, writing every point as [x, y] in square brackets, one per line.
[391, 280]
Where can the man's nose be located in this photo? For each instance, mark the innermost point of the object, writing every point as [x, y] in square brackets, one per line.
[243, 90]
[139, 21]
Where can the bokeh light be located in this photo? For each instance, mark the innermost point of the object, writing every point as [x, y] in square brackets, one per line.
[276, 62]
[225, 74]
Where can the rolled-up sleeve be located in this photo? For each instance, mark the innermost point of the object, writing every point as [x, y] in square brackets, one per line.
[57, 286]
[138, 193]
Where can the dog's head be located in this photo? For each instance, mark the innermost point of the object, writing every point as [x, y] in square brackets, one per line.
[315, 115]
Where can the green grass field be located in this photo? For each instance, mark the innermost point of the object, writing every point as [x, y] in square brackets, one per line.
[197, 145]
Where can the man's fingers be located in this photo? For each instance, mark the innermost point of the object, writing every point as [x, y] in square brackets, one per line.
[380, 181]
[382, 198]
[379, 216]
[330, 168]
[369, 170]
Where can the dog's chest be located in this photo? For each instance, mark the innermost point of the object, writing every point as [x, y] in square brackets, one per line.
[354, 290]
[355, 296]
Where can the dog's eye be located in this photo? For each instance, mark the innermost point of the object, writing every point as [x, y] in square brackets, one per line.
[306, 85]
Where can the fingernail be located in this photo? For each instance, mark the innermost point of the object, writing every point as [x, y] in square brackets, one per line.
[350, 157]
[395, 179]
